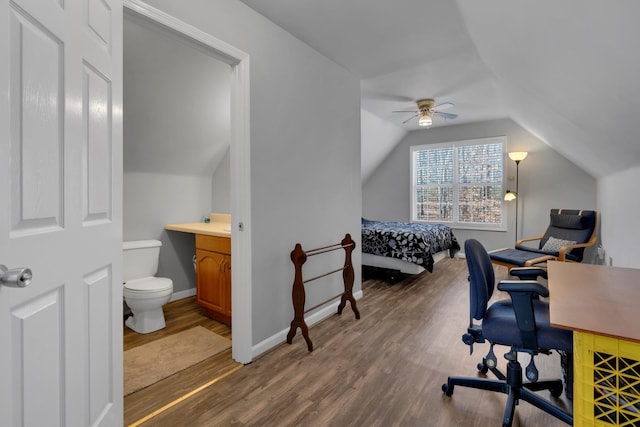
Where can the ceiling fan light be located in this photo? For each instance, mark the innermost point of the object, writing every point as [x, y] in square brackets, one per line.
[425, 120]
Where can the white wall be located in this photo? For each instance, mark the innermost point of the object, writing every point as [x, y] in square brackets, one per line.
[379, 138]
[221, 195]
[152, 200]
[547, 180]
[305, 152]
[176, 137]
[177, 103]
[619, 205]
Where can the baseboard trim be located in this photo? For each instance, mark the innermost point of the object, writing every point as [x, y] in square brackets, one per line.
[183, 294]
[311, 319]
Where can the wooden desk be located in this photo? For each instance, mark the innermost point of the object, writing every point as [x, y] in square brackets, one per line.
[600, 305]
[595, 299]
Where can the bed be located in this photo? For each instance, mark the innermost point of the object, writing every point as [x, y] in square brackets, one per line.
[408, 247]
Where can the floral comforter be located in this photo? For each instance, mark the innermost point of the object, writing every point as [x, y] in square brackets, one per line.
[412, 242]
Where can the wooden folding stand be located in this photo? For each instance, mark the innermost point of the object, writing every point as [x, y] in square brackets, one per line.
[299, 257]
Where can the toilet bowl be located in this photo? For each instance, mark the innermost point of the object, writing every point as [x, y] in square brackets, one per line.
[144, 294]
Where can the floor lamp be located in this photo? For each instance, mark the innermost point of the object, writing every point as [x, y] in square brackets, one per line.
[516, 156]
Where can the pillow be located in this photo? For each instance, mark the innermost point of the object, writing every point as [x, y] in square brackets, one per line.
[567, 221]
[554, 245]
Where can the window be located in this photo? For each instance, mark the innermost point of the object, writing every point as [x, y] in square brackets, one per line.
[460, 183]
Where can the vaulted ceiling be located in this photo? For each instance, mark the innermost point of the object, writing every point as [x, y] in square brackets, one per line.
[568, 71]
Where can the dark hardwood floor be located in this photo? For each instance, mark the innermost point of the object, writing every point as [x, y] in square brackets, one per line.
[385, 369]
[179, 315]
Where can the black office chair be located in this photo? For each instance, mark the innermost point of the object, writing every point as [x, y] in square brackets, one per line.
[522, 323]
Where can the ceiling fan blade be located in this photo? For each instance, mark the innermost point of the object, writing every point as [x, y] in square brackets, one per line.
[405, 111]
[412, 117]
[379, 96]
[445, 115]
[443, 106]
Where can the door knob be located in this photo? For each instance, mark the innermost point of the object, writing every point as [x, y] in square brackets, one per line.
[16, 277]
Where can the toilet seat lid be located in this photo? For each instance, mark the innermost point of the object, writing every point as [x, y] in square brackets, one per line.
[149, 284]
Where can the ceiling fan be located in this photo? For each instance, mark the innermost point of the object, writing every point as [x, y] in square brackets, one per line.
[427, 110]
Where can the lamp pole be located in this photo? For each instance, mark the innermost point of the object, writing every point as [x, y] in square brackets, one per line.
[516, 156]
[517, 194]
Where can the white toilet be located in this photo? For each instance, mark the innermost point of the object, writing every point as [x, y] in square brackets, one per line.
[145, 294]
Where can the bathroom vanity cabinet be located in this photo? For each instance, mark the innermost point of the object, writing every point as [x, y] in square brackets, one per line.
[213, 276]
[213, 264]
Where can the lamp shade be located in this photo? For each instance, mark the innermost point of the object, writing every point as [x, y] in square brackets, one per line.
[509, 196]
[425, 120]
[517, 156]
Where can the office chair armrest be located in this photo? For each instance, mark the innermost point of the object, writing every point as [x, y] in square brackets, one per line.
[528, 273]
[523, 286]
[523, 293]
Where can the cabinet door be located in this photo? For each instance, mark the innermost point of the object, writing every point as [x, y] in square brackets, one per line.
[212, 281]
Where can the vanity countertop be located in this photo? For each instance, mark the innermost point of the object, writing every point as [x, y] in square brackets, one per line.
[220, 225]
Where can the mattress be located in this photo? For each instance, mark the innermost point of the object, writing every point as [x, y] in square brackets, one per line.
[414, 243]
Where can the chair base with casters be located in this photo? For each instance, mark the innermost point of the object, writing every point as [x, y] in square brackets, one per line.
[512, 385]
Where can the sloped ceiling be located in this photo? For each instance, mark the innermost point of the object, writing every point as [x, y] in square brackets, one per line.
[176, 103]
[566, 71]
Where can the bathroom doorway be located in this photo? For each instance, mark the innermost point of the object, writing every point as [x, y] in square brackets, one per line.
[235, 154]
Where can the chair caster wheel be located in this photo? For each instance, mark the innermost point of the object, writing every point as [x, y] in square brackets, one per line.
[482, 368]
[447, 390]
[556, 391]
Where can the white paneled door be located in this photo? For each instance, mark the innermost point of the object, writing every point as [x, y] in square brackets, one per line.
[61, 212]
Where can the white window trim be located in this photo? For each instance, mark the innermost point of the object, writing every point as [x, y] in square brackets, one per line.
[454, 144]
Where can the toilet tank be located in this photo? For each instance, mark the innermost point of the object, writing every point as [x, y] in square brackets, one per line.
[140, 259]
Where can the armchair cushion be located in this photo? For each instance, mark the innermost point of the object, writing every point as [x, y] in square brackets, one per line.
[561, 220]
[530, 253]
[572, 225]
[517, 257]
[554, 245]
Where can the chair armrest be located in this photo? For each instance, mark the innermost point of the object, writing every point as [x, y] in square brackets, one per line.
[528, 273]
[529, 239]
[523, 293]
[562, 252]
[523, 286]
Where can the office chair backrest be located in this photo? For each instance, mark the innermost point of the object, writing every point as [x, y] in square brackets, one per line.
[481, 277]
[573, 225]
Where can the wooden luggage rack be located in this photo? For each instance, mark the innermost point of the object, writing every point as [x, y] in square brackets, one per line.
[299, 257]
